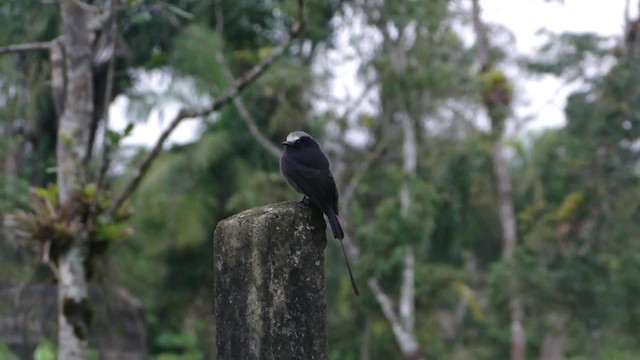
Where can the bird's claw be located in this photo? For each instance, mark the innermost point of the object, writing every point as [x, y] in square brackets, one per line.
[305, 200]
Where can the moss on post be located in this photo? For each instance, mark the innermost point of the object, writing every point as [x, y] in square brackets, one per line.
[269, 284]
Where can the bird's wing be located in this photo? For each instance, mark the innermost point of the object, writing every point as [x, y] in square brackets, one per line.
[311, 158]
[315, 183]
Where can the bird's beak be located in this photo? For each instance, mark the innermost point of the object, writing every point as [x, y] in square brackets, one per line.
[286, 143]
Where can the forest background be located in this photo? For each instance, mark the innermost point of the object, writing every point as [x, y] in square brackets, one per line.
[473, 234]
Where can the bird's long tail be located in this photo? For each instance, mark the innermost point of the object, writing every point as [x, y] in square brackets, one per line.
[336, 229]
[346, 260]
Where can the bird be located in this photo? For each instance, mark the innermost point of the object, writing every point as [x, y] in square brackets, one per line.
[306, 169]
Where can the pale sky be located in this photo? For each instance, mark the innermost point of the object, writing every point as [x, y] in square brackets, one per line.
[541, 98]
[524, 18]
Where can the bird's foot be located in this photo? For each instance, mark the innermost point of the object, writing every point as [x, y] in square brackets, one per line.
[305, 200]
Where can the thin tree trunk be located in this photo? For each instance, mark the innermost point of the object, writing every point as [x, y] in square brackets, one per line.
[407, 291]
[402, 320]
[406, 341]
[9, 167]
[504, 194]
[505, 200]
[509, 241]
[74, 311]
[554, 340]
[365, 346]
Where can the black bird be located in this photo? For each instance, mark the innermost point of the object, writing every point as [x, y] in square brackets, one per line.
[306, 169]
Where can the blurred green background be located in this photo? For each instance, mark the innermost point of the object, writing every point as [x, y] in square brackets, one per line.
[421, 94]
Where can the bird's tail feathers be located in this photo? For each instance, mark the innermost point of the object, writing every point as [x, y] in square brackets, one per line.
[346, 260]
[336, 228]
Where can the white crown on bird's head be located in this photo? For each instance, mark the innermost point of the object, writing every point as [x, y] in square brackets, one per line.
[296, 135]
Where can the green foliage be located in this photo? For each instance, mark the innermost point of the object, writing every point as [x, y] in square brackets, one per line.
[48, 227]
[568, 54]
[619, 354]
[194, 56]
[387, 232]
[575, 188]
[179, 346]
[49, 220]
[13, 192]
[6, 354]
[116, 137]
[46, 350]
[286, 85]
[497, 93]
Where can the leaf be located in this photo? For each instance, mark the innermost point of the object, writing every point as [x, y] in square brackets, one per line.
[114, 137]
[128, 129]
[48, 194]
[471, 298]
[90, 190]
[6, 354]
[368, 120]
[45, 351]
[141, 17]
[570, 205]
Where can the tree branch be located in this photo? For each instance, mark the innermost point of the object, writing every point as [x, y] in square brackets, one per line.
[386, 303]
[365, 165]
[627, 17]
[356, 104]
[407, 291]
[107, 145]
[242, 82]
[245, 115]
[16, 48]
[406, 341]
[504, 194]
[482, 43]
[95, 23]
[85, 6]
[349, 190]
[56, 63]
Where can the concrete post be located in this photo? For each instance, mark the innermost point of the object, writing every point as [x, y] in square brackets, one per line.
[270, 300]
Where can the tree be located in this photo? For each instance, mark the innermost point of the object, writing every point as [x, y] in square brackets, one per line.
[497, 96]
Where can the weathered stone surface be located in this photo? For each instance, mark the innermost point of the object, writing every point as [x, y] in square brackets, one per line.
[28, 316]
[269, 284]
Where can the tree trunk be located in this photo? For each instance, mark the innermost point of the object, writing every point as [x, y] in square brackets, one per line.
[365, 345]
[74, 310]
[505, 200]
[402, 321]
[406, 340]
[407, 292]
[503, 186]
[554, 339]
[9, 168]
[509, 240]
